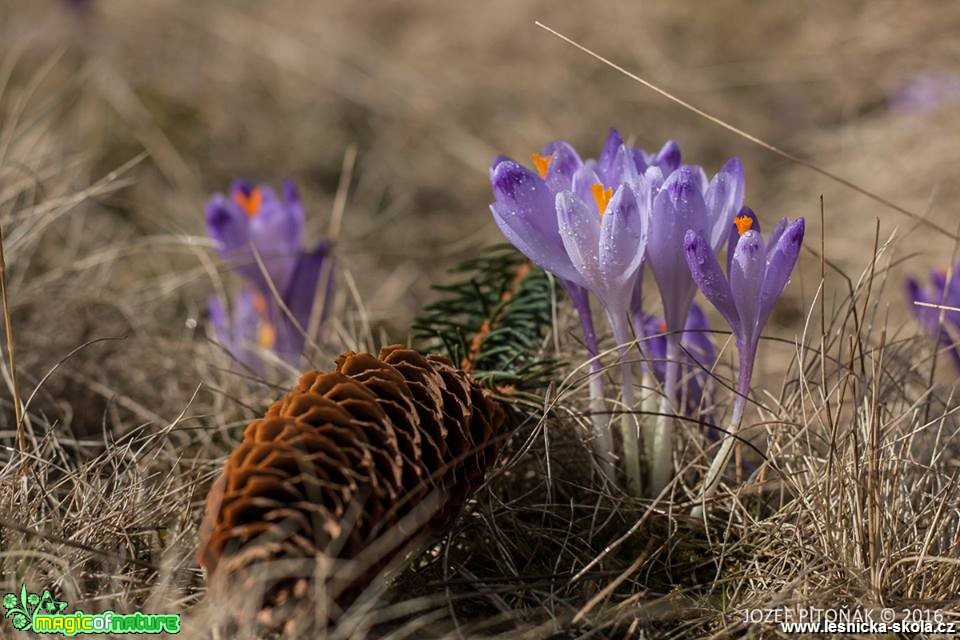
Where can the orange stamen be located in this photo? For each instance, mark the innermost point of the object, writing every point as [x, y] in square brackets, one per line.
[249, 203]
[260, 304]
[744, 223]
[662, 326]
[542, 163]
[266, 335]
[602, 196]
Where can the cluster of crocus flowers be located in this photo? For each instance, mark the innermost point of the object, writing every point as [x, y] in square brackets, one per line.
[937, 308]
[594, 224]
[259, 235]
[585, 221]
[757, 273]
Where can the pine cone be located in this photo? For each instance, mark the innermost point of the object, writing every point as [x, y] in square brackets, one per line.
[343, 473]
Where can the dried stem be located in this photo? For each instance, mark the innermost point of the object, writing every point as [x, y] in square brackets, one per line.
[11, 350]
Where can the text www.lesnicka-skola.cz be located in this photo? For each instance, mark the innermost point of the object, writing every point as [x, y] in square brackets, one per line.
[846, 620]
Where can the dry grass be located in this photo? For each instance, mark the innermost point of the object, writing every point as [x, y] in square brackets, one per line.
[129, 408]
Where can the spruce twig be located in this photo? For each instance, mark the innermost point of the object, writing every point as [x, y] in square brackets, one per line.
[492, 322]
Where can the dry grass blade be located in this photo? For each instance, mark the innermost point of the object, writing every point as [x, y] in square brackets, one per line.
[757, 141]
[11, 349]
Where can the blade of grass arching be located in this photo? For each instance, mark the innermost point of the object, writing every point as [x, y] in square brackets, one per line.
[754, 139]
[326, 280]
[11, 350]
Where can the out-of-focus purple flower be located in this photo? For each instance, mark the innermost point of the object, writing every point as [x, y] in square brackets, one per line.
[252, 220]
[926, 92]
[699, 355]
[272, 312]
[945, 294]
[80, 6]
[757, 273]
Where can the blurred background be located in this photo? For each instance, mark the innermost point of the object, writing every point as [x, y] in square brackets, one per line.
[427, 94]
[120, 118]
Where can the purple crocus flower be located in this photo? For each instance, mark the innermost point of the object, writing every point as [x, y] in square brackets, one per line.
[252, 220]
[273, 309]
[558, 217]
[943, 294]
[757, 273]
[80, 6]
[684, 200]
[926, 92]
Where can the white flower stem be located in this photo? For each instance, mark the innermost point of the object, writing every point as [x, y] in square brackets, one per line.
[629, 427]
[603, 437]
[599, 420]
[715, 472]
[661, 452]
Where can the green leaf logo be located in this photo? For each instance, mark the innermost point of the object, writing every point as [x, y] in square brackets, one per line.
[22, 609]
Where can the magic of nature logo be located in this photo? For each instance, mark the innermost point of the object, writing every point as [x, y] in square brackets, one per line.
[42, 613]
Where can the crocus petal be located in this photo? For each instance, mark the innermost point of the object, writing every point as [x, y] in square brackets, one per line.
[677, 207]
[668, 158]
[522, 191]
[939, 279]
[245, 326]
[705, 271]
[623, 242]
[218, 320]
[293, 201]
[950, 288]
[646, 189]
[926, 316]
[734, 236]
[622, 168]
[580, 231]
[227, 225]
[276, 233]
[774, 236]
[583, 180]
[564, 162]
[545, 250]
[780, 265]
[724, 197]
[608, 154]
[526, 214]
[746, 279]
[697, 176]
[240, 186]
[496, 163]
[302, 293]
